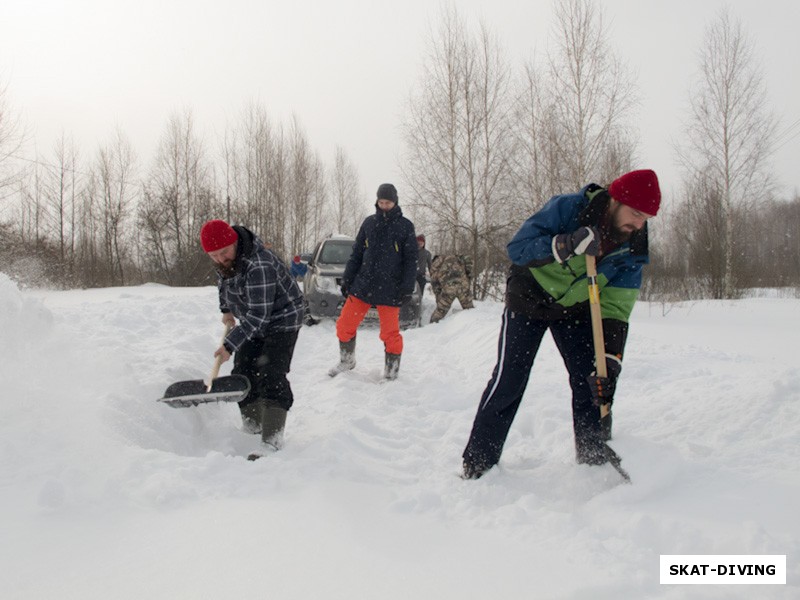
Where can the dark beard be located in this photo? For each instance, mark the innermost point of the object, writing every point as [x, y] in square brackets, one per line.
[617, 235]
[226, 271]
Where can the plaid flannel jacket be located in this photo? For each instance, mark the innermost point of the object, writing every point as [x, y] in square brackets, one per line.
[262, 294]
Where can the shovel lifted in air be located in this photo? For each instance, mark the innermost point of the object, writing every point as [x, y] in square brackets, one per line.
[230, 388]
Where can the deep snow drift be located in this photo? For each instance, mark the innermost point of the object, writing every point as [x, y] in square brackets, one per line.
[107, 493]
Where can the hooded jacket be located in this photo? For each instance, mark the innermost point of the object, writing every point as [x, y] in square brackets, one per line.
[383, 266]
[540, 287]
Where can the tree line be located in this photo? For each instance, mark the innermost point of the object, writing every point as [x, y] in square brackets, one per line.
[485, 144]
[105, 222]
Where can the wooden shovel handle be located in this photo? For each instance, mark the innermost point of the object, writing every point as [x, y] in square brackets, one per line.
[597, 325]
[218, 361]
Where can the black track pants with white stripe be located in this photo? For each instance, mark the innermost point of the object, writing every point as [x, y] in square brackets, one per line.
[520, 338]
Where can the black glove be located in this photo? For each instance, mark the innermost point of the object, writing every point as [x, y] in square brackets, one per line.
[345, 290]
[602, 388]
[584, 240]
[406, 298]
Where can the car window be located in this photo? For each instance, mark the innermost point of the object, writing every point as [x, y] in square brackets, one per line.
[335, 252]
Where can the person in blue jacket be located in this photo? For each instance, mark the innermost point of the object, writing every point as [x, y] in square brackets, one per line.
[547, 290]
[298, 268]
[381, 272]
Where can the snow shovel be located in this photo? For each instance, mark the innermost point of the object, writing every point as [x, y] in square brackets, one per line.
[230, 388]
[600, 356]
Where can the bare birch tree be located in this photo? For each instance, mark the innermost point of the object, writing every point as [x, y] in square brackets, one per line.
[89, 266]
[537, 164]
[115, 168]
[61, 191]
[729, 133]
[345, 201]
[274, 180]
[591, 95]
[253, 157]
[305, 193]
[12, 138]
[458, 141]
[33, 205]
[177, 201]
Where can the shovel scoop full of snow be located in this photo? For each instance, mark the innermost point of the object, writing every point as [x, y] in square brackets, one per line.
[231, 388]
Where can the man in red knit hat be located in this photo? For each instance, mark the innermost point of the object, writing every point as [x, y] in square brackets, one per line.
[547, 290]
[257, 290]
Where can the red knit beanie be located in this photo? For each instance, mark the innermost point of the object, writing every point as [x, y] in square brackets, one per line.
[637, 189]
[217, 234]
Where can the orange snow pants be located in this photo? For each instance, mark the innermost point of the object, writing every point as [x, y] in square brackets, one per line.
[354, 311]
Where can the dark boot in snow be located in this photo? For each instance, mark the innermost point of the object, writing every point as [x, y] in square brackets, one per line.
[272, 426]
[392, 366]
[273, 423]
[347, 358]
[251, 417]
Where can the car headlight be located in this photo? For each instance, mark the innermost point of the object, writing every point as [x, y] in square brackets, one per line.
[327, 284]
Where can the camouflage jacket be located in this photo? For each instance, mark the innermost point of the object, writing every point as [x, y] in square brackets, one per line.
[449, 269]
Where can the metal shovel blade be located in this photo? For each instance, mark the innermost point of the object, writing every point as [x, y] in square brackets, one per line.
[231, 388]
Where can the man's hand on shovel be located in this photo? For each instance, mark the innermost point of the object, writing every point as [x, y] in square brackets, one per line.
[222, 354]
[230, 322]
[602, 387]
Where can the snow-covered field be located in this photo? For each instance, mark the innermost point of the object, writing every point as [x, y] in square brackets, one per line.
[108, 494]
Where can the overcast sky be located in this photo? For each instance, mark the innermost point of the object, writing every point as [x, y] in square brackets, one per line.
[343, 67]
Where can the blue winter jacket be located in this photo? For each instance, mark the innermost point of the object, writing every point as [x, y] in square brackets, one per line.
[540, 287]
[383, 266]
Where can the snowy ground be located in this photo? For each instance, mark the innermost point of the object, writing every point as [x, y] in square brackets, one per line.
[107, 493]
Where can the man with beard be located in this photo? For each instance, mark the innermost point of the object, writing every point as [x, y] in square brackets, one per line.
[256, 289]
[547, 289]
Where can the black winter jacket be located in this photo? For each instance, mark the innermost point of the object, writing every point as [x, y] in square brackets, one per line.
[383, 266]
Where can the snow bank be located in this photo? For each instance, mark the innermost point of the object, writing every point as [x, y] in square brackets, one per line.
[108, 493]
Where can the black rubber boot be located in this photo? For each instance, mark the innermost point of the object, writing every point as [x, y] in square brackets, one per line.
[392, 366]
[273, 422]
[272, 425]
[347, 358]
[251, 417]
